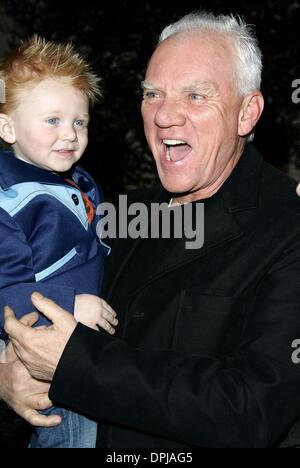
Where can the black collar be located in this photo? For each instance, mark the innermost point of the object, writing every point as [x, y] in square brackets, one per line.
[241, 190]
[160, 256]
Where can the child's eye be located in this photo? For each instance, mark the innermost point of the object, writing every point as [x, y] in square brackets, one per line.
[53, 121]
[79, 123]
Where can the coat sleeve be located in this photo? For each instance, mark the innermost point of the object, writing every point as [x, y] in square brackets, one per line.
[17, 277]
[248, 399]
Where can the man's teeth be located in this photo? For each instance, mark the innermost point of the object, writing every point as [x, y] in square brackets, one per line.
[169, 143]
[174, 142]
[168, 156]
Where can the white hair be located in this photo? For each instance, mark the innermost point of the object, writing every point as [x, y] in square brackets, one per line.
[249, 57]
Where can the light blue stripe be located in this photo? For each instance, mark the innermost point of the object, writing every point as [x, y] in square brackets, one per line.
[105, 245]
[18, 196]
[56, 266]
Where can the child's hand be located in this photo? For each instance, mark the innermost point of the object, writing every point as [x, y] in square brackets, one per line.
[94, 312]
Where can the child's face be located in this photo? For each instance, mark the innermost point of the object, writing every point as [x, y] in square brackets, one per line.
[51, 125]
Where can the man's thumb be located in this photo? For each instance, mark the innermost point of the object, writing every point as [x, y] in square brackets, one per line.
[49, 308]
[8, 312]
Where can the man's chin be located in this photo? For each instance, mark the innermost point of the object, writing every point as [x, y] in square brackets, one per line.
[177, 188]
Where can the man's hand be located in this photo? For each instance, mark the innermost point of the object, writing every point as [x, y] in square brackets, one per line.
[22, 393]
[7, 352]
[40, 348]
[298, 189]
[25, 395]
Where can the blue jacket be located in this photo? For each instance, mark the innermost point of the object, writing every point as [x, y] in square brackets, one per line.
[46, 243]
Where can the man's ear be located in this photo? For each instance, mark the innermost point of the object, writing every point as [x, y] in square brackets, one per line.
[250, 113]
[7, 129]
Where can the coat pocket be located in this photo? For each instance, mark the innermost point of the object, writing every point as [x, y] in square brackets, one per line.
[208, 325]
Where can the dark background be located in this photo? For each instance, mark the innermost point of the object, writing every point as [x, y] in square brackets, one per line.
[117, 37]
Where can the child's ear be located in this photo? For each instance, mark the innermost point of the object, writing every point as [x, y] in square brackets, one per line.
[7, 129]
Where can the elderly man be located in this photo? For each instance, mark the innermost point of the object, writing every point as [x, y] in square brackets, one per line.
[205, 352]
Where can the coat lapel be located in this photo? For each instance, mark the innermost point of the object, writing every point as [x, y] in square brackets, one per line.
[148, 259]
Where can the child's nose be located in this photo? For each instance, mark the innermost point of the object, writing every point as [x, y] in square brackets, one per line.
[69, 133]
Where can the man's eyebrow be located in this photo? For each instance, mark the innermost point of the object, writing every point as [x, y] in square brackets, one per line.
[192, 87]
[147, 85]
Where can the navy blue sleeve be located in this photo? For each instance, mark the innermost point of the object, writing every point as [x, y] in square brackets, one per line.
[17, 278]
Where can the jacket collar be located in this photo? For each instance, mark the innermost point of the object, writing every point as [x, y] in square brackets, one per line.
[14, 171]
[241, 190]
[153, 258]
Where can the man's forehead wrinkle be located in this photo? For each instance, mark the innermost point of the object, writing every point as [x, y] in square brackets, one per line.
[198, 84]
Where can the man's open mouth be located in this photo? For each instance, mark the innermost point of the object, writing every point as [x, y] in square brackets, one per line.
[176, 150]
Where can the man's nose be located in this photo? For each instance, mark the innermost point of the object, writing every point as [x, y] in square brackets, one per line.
[69, 133]
[169, 114]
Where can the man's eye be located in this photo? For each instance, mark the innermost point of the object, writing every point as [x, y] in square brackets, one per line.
[197, 97]
[150, 94]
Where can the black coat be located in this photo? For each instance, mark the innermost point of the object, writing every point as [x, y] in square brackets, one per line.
[204, 346]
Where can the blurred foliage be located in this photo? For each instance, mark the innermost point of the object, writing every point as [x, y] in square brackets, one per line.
[118, 38]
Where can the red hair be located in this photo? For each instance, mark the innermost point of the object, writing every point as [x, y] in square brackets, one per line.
[36, 60]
